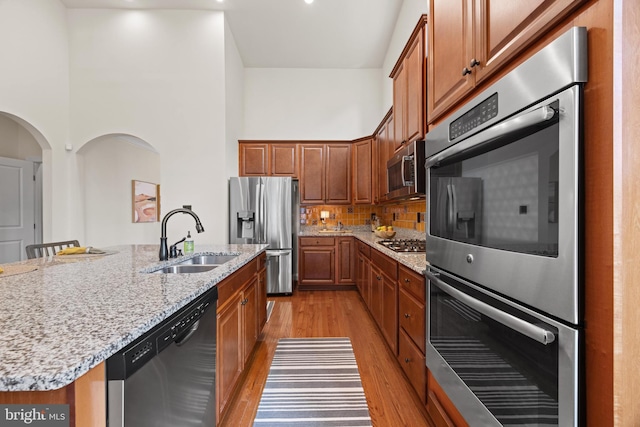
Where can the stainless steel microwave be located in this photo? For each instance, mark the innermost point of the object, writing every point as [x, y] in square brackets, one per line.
[406, 173]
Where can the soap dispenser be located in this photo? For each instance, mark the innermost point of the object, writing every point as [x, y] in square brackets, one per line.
[188, 244]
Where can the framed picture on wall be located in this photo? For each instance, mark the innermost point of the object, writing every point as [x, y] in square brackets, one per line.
[145, 201]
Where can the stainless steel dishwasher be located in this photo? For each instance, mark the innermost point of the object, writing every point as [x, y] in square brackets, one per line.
[166, 378]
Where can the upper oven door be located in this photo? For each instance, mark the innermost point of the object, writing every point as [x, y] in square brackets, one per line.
[503, 206]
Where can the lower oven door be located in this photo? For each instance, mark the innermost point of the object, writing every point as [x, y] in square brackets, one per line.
[500, 363]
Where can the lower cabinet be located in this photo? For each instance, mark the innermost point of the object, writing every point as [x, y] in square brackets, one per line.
[240, 321]
[326, 262]
[440, 409]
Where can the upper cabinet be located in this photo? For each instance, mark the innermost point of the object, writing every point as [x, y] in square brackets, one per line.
[325, 173]
[409, 88]
[384, 148]
[257, 158]
[469, 40]
[363, 171]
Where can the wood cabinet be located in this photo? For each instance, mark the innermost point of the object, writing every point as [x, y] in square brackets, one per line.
[384, 296]
[325, 173]
[267, 158]
[326, 262]
[253, 159]
[363, 281]
[345, 260]
[384, 144]
[317, 261]
[238, 326]
[409, 89]
[262, 292]
[440, 409]
[469, 40]
[412, 335]
[363, 171]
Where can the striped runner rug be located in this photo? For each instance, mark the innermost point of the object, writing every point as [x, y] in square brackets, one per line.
[313, 382]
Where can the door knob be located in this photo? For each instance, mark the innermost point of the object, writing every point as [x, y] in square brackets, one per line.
[474, 62]
[466, 71]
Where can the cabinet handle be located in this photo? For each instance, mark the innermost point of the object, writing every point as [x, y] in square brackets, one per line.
[407, 315]
[466, 71]
[378, 277]
[407, 360]
[407, 280]
[474, 62]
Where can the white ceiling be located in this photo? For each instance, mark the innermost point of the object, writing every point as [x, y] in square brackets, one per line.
[291, 33]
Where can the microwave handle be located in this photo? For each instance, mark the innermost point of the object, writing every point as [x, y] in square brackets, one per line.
[537, 333]
[403, 161]
[523, 121]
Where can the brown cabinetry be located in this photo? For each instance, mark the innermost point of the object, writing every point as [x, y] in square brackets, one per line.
[412, 335]
[326, 261]
[239, 314]
[262, 158]
[384, 296]
[325, 173]
[363, 280]
[384, 143]
[362, 171]
[469, 40]
[267, 159]
[409, 89]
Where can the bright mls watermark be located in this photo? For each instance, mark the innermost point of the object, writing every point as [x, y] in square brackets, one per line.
[34, 415]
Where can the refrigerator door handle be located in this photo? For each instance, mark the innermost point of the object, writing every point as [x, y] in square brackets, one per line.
[274, 254]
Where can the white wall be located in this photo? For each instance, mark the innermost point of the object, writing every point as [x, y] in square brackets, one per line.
[234, 98]
[34, 86]
[16, 142]
[407, 19]
[157, 75]
[311, 103]
[107, 167]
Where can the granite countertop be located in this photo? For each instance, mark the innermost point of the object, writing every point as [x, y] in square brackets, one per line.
[70, 314]
[416, 262]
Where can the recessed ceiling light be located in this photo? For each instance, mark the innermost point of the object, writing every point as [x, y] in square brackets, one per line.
[308, 1]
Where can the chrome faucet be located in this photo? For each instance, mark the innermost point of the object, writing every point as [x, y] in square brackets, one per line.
[164, 252]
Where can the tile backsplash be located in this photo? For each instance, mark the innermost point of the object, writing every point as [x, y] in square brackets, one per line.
[410, 214]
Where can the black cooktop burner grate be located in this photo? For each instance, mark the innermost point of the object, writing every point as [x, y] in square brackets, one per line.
[404, 245]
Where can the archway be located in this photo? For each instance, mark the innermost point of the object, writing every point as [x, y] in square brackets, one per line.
[24, 158]
[107, 166]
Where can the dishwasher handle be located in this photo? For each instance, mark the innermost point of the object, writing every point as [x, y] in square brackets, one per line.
[182, 339]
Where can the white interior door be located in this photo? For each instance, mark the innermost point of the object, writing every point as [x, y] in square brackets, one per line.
[17, 212]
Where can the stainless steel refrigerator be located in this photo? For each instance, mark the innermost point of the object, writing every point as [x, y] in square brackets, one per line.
[266, 210]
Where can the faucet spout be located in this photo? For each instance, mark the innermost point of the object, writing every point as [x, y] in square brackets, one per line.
[164, 251]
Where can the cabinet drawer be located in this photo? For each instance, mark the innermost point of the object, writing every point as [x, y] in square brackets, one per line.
[386, 264]
[364, 249]
[230, 286]
[412, 318]
[317, 241]
[412, 282]
[413, 365]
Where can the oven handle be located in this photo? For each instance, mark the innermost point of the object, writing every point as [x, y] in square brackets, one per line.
[531, 118]
[532, 331]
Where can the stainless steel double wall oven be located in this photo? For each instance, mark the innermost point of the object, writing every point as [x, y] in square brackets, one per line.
[504, 329]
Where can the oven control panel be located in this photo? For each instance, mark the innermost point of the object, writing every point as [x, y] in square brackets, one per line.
[473, 118]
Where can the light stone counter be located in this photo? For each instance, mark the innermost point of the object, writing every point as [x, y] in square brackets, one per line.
[416, 262]
[70, 314]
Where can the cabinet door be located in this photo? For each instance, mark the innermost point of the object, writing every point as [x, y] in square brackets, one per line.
[413, 364]
[375, 296]
[262, 299]
[254, 159]
[345, 260]
[412, 318]
[415, 90]
[229, 357]
[385, 144]
[389, 324]
[311, 174]
[362, 176]
[249, 308]
[399, 105]
[505, 27]
[284, 160]
[451, 44]
[317, 266]
[338, 174]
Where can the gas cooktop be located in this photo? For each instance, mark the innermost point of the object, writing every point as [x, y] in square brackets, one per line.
[404, 245]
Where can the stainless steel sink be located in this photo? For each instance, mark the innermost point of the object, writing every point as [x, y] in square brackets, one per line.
[208, 260]
[186, 268]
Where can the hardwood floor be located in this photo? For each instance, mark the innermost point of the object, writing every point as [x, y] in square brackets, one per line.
[391, 400]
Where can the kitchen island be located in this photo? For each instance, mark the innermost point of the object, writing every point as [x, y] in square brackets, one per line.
[73, 312]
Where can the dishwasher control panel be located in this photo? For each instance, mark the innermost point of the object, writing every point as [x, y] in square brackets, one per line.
[174, 329]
